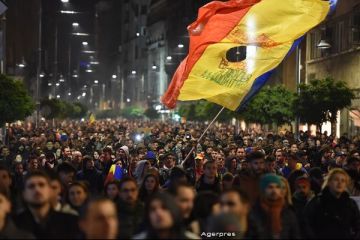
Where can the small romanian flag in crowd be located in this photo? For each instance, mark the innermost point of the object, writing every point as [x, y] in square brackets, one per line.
[262, 33]
[115, 173]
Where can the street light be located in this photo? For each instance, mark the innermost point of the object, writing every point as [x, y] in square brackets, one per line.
[133, 72]
[84, 94]
[114, 76]
[50, 84]
[169, 58]
[138, 34]
[88, 70]
[64, 1]
[42, 74]
[85, 43]
[88, 51]
[96, 81]
[61, 78]
[69, 94]
[75, 24]
[80, 34]
[323, 44]
[57, 84]
[128, 100]
[180, 45]
[154, 67]
[58, 96]
[75, 75]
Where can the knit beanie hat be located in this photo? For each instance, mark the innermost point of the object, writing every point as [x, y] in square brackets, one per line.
[268, 179]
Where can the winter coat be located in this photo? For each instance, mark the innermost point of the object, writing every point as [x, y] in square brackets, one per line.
[94, 177]
[299, 203]
[328, 217]
[130, 219]
[202, 186]
[10, 231]
[249, 183]
[290, 228]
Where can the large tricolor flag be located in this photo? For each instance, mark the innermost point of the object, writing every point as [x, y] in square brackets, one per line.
[115, 173]
[265, 31]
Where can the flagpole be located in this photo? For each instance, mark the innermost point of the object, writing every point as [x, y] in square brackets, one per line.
[202, 135]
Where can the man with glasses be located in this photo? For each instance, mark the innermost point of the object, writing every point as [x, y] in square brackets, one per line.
[130, 209]
[169, 164]
[39, 218]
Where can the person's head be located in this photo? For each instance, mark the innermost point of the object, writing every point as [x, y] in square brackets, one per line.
[292, 161]
[49, 145]
[199, 160]
[270, 164]
[235, 201]
[33, 163]
[56, 188]
[279, 156]
[162, 215]
[5, 177]
[66, 173]
[99, 220]
[5, 203]
[257, 162]
[96, 155]
[78, 193]
[66, 152]
[77, 157]
[353, 163]
[227, 225]
[37, 191]
[210, 169]
[128, 190]
[107, 152]
[170, 160]
[112, 190]
[271, 187]
[240, 153]
[150, 183]
[294, 148]
[88, 163]
[303, 186]
[19, 169]
[177, 175]
[206, 204]
[227, 181]
[184, 198]
[337, 181]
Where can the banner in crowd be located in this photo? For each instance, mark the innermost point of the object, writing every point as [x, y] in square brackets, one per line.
[261, 33]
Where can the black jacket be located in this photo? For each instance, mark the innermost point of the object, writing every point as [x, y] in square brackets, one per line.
[290, 228]
[94, 178]
[10, 231]
[330, 218]
[202, 186]
[57, 225]
[130, 219]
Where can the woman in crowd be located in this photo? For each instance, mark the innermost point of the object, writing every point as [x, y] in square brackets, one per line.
[149, 186]
[112, 190]
[163, 220]
[333, 214]
[78, 194]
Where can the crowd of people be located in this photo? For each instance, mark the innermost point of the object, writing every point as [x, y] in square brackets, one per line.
[57, 182]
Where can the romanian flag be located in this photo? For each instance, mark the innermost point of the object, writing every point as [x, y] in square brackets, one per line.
[262, 31]
[92, 118]
[115, 173]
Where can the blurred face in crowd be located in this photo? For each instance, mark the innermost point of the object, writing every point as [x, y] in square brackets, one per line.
[121, 153]
[49, 146]
[66, 152]
[170, 161]
[90, 164]
[274, 192]
[112, 191]
[19, 169]
[231, 202]
[279, 156]
[220, 161]
[37, 192]
[5, 179]
[101, 221]
[303, 188]
[294, 148]
[258, 165]
[5, 152]
[185, 200]
[160, 217]
[240, 153]
[96, 155]
[5, 207]
[270, 166]
[210, 170]
[150, 184]
[33, 164]
[55, 186]
[214, 155]
[338, 183]
[129, 192]
[355, 165]
[77, 195]
[77, 157]
[66, 177]
[292, 163]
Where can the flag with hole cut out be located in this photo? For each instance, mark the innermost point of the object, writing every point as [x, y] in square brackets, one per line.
[235, 45]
